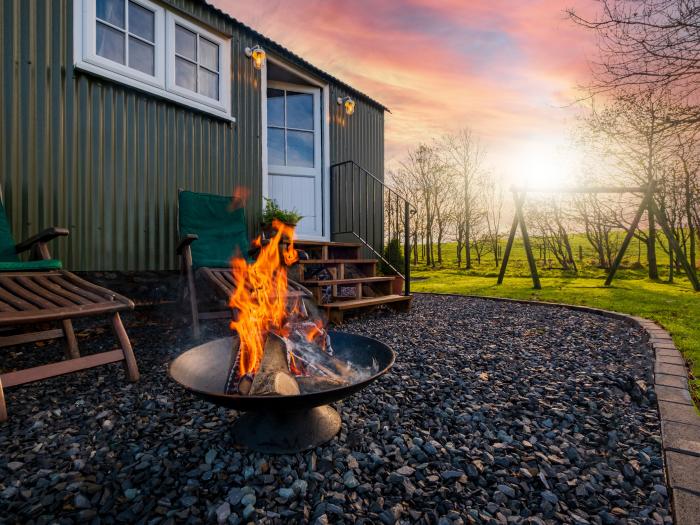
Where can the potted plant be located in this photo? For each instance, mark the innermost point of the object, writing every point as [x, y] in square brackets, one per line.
[394, 256]
[273, 212]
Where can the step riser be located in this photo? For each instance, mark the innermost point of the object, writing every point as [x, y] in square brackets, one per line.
[343, 261]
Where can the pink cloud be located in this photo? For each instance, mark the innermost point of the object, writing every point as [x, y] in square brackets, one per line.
[506, 69]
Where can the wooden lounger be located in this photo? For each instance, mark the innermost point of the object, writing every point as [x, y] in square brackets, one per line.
[32, 294]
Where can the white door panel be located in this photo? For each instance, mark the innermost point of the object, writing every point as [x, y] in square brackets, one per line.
[298, 192]
[295, 171]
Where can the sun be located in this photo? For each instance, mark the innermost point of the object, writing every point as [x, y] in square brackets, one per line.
[545, 164]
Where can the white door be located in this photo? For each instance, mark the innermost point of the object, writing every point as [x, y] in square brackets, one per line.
[294, 167]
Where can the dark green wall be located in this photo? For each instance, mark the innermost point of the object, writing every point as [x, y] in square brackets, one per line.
[106, 160]
[359, 138]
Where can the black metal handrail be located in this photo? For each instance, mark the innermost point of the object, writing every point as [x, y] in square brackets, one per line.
[359, 199]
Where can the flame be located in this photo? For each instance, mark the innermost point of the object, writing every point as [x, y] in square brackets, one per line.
[314, 330]
[260, 296]
[239, 197]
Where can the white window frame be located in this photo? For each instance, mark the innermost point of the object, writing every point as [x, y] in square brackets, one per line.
[224, 59]
[162, 84]
[88, 43]
[316, 93]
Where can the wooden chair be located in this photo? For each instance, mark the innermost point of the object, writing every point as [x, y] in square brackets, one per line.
[210, 233]
[40, 291]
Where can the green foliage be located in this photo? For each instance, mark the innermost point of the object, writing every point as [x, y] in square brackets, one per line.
[394, 254]
[273, 211]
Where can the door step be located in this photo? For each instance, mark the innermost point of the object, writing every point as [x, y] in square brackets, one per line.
[337, 261]
[356, 280]
[305, 244]
[337, 309]
[346, 268]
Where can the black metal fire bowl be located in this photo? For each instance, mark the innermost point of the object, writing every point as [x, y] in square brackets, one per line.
[278, 424]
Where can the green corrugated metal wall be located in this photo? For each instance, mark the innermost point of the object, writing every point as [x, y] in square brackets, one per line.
[106, 160]
[359, 138]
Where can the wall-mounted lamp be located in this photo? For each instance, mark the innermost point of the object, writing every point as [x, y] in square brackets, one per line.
[348, 104]
[257, 54]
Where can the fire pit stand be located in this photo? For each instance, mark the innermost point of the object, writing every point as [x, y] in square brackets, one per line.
[278, 424]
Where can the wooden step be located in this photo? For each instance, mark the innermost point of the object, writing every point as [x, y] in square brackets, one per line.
[328, 243]
[369, 301]
[357, 280]
[337, 261]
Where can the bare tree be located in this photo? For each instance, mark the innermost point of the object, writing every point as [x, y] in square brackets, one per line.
[599, 228]
[493, 194]
[426, 172]
[650, 43]
[632, 131]
[464, 156]
[548, 222]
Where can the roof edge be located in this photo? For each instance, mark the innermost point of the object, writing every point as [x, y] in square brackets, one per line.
[280, 49]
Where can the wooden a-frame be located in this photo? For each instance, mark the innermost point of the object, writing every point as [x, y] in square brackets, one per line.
[647, 203]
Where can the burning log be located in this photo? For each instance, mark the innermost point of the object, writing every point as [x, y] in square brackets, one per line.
[273, 378]
[310, 384]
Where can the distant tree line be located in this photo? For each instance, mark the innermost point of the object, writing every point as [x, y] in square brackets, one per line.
[455, 196]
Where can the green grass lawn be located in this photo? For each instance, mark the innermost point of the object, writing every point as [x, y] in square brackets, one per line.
[675, 306]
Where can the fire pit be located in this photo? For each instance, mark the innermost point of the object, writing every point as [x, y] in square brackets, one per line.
[279, 423]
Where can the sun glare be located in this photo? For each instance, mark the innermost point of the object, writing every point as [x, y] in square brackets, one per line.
[545, 164]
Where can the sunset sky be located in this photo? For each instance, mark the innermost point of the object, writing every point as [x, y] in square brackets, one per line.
[507, 69]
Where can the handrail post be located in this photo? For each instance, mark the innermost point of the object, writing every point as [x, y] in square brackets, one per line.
[406, 249]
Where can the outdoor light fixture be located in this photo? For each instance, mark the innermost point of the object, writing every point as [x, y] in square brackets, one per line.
[256, 53]
[348, 104]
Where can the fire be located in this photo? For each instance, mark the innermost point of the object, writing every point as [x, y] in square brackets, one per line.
[260, 297]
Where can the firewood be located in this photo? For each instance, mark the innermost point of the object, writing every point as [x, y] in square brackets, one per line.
[274, 355]
[309, 384]
[274, 384]
[273, 377]
[244, 385]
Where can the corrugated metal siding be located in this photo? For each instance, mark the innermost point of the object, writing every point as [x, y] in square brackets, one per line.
[360, 138]
[106, 160]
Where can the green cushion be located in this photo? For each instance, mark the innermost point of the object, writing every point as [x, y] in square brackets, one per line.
[7, 242]
[18, 266]
[222, 231]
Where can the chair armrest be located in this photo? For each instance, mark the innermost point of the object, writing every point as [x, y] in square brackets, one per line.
[42, 237]
[185, 242]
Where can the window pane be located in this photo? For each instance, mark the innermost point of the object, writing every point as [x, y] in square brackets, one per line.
[275, 147]
[275, 107]
[185, 74]
[208, 84]
[208, 54]
[141, 22]
[300, 149]
[111, 11]
[141, 56]
[185, 43]
[300, 110]
[109, 43]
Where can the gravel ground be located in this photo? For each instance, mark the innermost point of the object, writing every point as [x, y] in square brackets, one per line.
[493, 413]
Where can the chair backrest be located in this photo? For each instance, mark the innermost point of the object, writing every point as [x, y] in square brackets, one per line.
[7, 241]
[222, 231]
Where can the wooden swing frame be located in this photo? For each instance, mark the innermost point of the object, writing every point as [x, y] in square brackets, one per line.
[647, 203]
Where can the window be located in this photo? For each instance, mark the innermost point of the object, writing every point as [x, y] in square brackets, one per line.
[126, 34]
[194, 64]
[290, 128]
[141, 44]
